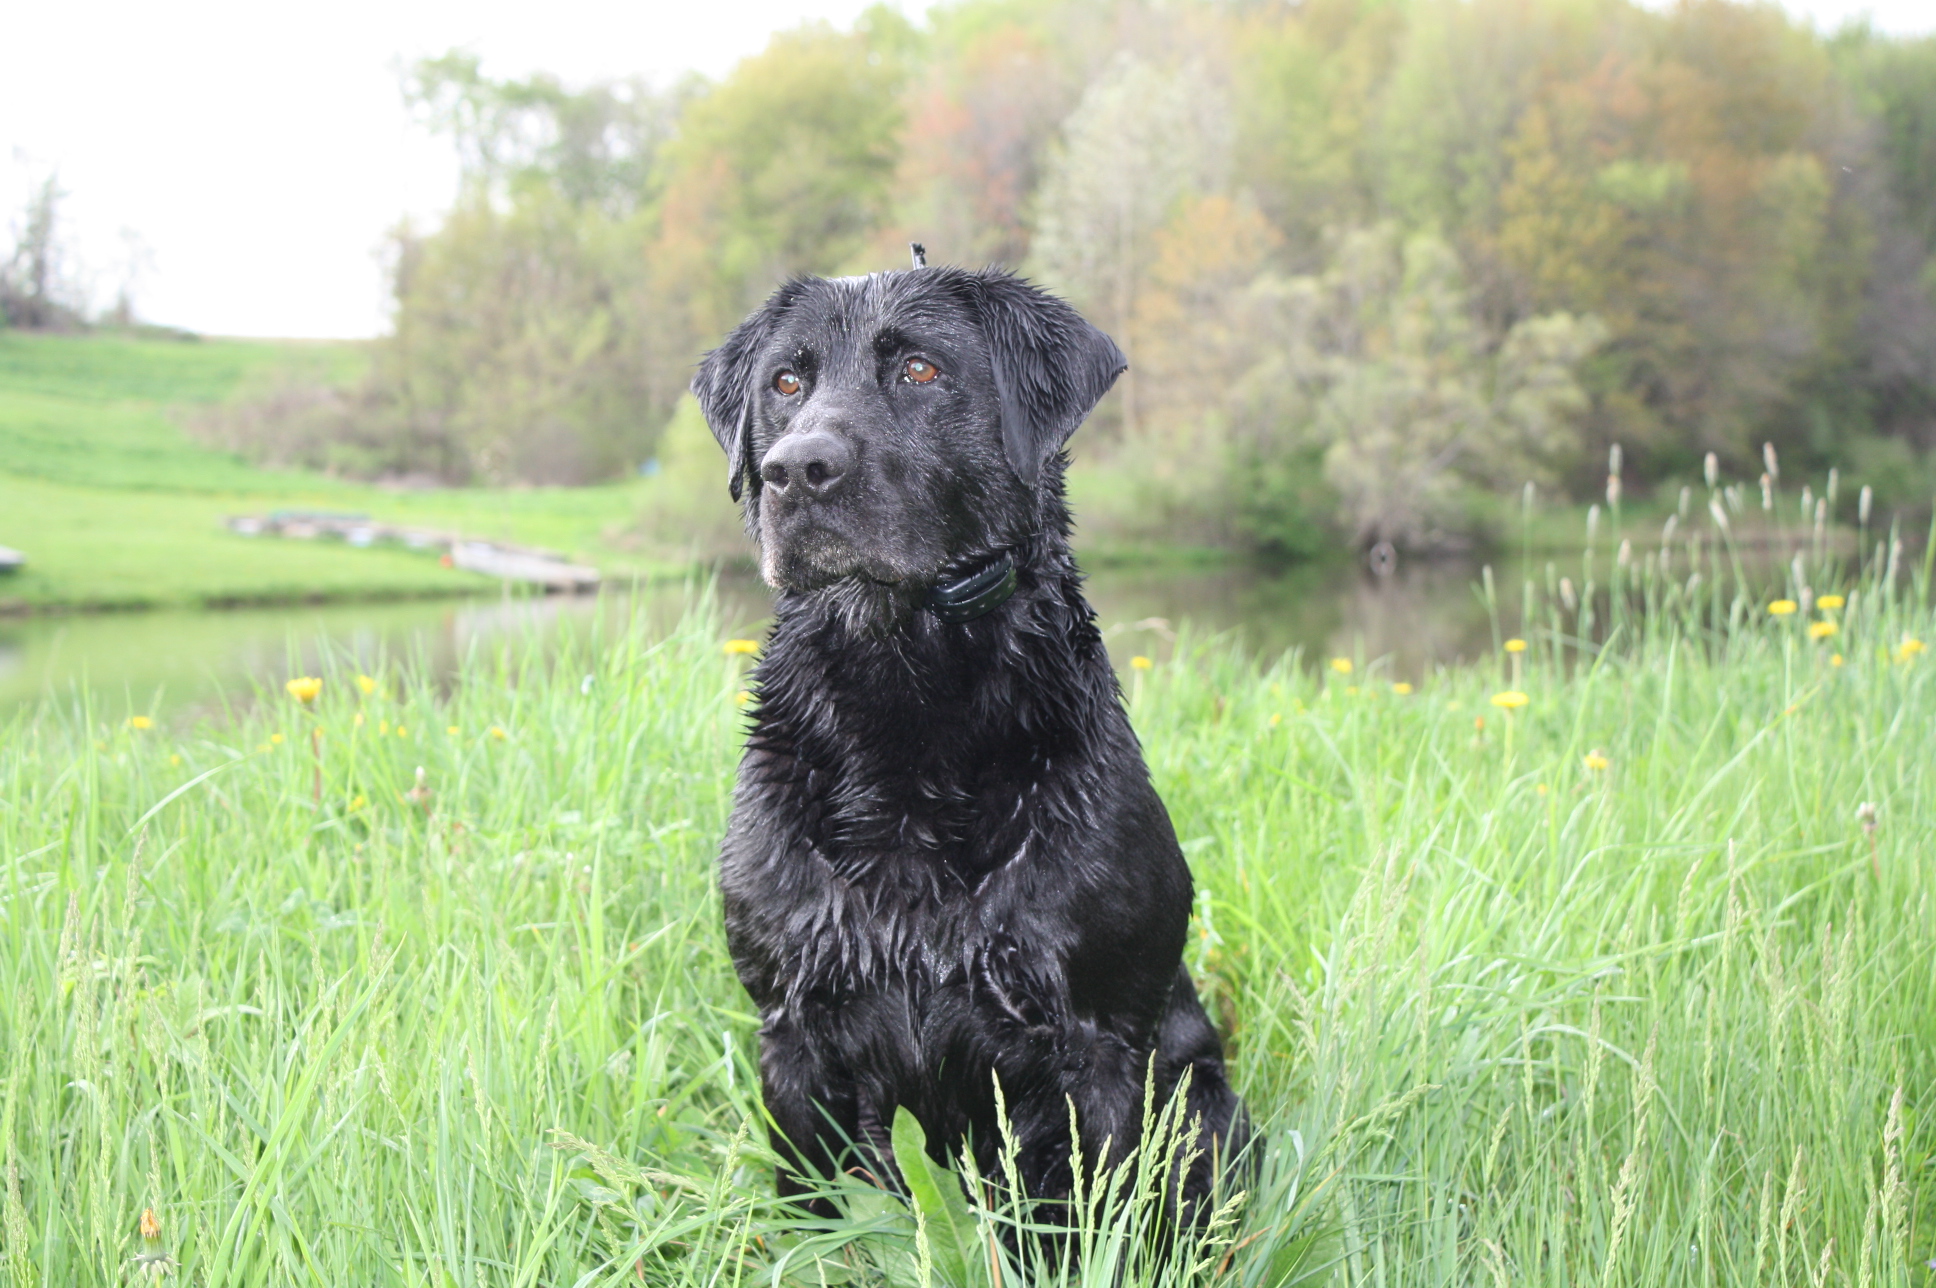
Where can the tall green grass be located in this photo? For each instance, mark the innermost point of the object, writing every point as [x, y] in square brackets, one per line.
[1634, 983]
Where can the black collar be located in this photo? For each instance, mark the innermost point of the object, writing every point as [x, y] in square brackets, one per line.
[979, 593]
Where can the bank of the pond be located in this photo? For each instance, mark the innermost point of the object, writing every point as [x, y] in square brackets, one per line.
[1425, 616]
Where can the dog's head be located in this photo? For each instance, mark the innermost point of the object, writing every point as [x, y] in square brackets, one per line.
[888, 429]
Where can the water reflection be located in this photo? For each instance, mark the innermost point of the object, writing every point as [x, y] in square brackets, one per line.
[1422, 615]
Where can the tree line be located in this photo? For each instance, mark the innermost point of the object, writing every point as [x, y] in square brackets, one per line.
[1370, 261]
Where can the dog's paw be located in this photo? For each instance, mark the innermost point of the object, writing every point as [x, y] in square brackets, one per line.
[1004, 984]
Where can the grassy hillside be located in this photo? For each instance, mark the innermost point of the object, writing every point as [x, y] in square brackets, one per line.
[1632, 984]
[117, 506]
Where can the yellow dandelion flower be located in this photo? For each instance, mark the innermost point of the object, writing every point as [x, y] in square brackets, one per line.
[1141, 663]
[402, 732]
[1830, 601]
[1401, 688]
[367, 684]
[1515, 646]
[174, 760]
[742, 648]
[1541, 789]
[150, 1224]
[1511, 699]
[743, 697]
[451, 730]
[356, 721]
[1909, 647]
[1782, 607]
[1596, 761]
[1342, 665]
[358, 801]
[304, 688]
[497, 732]
[1276, 719]
[276, 738]
[1835, 659]
[1822, 630]
[140, 722]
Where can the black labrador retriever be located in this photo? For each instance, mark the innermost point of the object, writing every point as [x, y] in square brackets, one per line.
[946, 862]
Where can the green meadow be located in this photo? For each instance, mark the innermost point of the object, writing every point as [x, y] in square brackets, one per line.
[118, 506]
[423, 984]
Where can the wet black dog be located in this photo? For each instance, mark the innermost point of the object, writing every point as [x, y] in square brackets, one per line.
[946, 861]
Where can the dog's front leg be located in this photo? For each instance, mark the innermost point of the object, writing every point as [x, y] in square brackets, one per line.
[814, 1112]
[1049, 1057]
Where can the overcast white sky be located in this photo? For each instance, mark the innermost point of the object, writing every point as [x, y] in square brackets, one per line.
[251, 156]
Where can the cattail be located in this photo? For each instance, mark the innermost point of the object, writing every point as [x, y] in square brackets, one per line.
[1821, 518]
[1566, 594]
[1711, 469]
[1592, 523]
[1768, 459]
[1667, 528]
[1625, 556]
[1834, 478]
[1686, 492]
[1526, 497]
[1613, 489]
[1808, 503]
[1613, 459]
[1767, 492]
[1863, 504]
[1720, 515]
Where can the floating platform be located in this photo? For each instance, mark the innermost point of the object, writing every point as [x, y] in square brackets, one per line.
[489, 558]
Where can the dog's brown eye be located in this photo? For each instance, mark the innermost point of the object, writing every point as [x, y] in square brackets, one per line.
[920, 370]
[787, 383]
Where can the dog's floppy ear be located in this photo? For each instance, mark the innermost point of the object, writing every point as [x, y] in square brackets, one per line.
[727, 381]
[1051, 368]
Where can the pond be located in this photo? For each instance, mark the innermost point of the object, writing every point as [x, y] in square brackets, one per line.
[170, 660]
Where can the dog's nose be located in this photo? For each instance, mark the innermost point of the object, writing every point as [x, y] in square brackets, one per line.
[810, 464]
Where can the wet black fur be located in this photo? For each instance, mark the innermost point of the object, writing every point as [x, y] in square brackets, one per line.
[946, 860]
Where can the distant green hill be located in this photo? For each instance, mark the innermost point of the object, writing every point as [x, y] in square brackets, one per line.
[117, 506]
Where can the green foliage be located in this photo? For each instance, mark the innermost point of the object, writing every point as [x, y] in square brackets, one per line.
[1379, 369]
[595, 146]
[948, 1241]
[1635, 983]
[784, 167]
